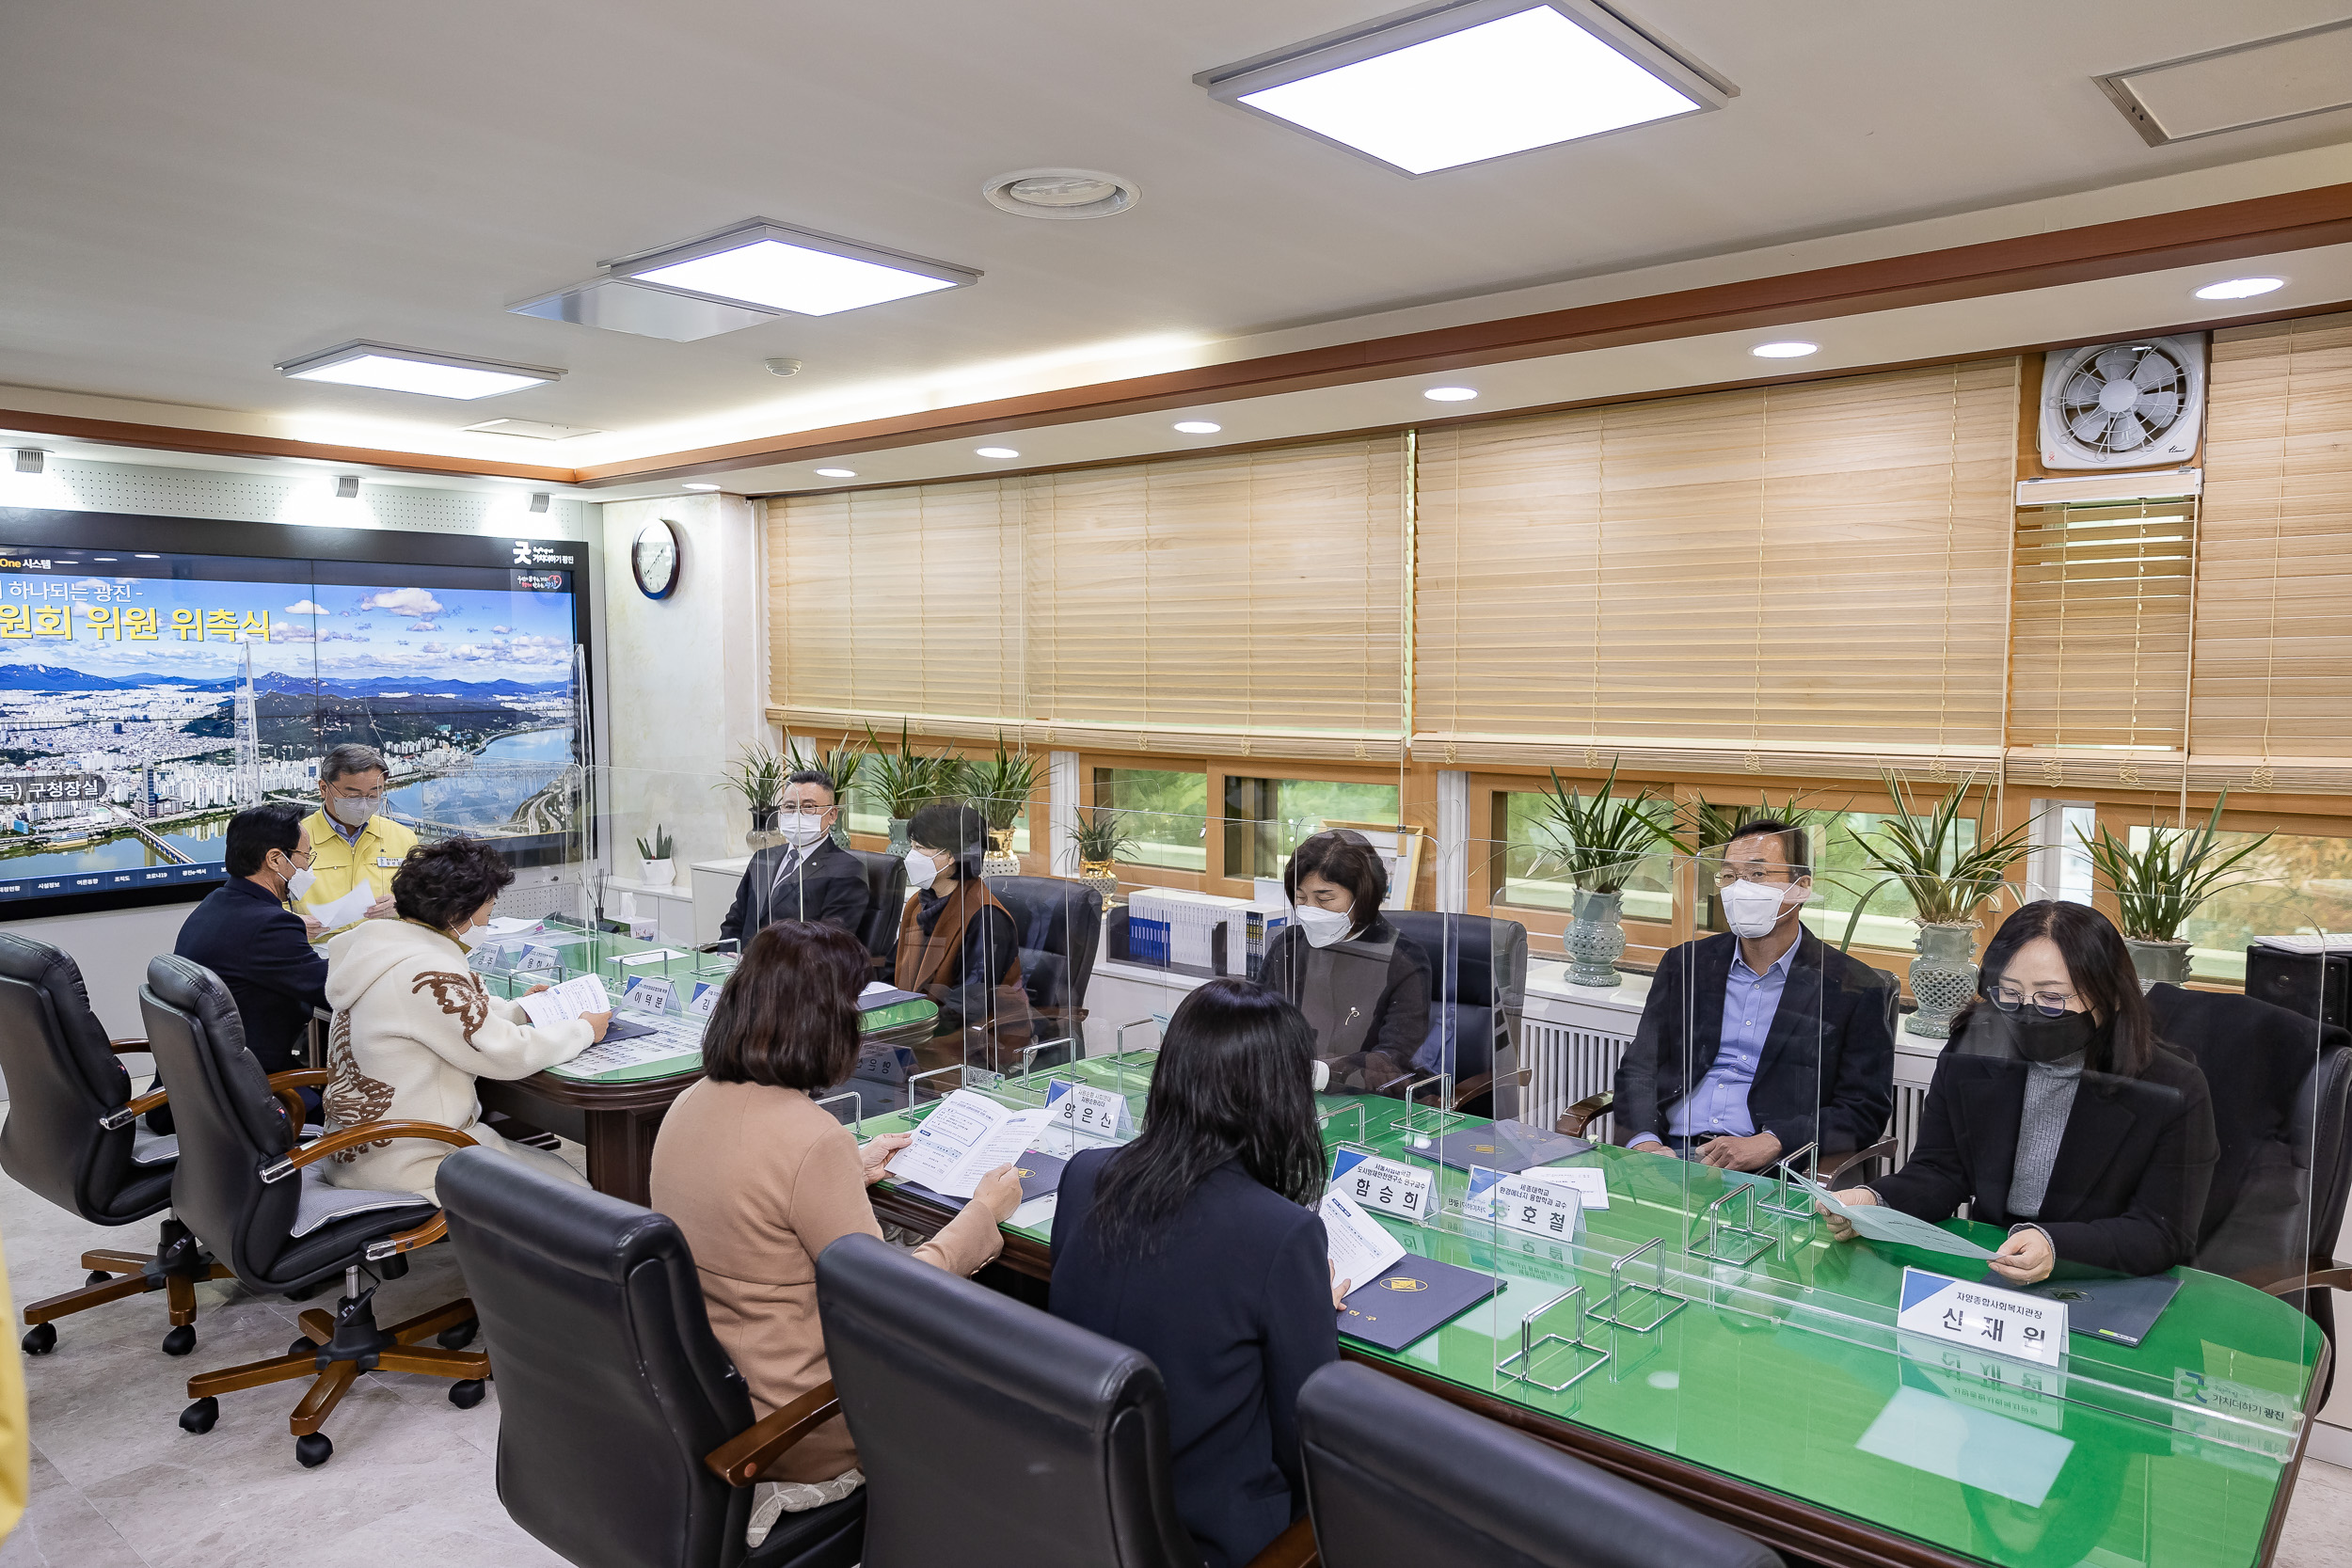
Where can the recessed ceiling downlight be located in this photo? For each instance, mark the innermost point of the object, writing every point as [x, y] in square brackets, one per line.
[2240, 288]
[1450, 394]
[1791, 350]
[1196, 427]
[1061, 193]
[995, 451]
[836, 473]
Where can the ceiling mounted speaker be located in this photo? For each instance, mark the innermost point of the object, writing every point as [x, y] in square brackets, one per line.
[2132, 404]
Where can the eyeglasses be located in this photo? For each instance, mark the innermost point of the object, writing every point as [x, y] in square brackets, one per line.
[1779, 876]
[802, 808]
[374, 799]
[2049, 1003]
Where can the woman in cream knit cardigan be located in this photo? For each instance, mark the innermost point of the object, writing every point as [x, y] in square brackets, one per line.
[414, 1027]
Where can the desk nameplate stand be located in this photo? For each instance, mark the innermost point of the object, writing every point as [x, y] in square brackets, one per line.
[1620, 1312]
[1529, 1342]
[1784, 1185]
[1431, 1121]
[1725, 1238]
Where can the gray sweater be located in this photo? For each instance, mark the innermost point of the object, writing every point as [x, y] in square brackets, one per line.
[2042, 1125]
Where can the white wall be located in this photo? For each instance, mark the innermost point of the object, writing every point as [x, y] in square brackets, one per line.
[113, 947]
[684, 677]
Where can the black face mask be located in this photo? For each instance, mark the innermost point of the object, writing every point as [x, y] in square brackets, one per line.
[2050, 1039]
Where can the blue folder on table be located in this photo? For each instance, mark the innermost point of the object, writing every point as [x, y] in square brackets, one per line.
[1414, 1298]
[1040, 1173]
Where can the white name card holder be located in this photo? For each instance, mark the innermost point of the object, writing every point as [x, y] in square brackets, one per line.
[1539, 1330]
[1632, 1305]
[1984, 1318]
[1374, 1181]
[1728, 1231]
[1788, 1200]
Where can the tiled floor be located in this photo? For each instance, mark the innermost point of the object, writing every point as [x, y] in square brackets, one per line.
[118, 1484]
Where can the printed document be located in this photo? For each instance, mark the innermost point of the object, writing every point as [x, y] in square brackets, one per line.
[1876, 1222]
[1360, 1249]
[582, 993]
[968, 1137]
[350, 908]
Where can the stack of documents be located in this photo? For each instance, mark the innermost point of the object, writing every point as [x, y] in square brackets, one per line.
[2306, 944]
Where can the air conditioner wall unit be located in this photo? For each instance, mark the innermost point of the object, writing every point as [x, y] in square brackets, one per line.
[2136, 403]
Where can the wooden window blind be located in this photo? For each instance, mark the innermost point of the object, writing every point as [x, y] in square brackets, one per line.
[2272, 673]
[2099, 650]
[1810, 579]
[898, 604]
[1232, 604]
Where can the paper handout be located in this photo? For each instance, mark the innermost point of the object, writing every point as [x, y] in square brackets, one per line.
[348, 910]
[968, 1137]
[582, 993]
[1360, 1251]
[1875, 1221]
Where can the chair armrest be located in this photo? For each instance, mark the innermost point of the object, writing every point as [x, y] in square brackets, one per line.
[301, 1078]
[1470, 1088]
[1294, 1548]
[352, 1137]
[1584, 1113]
[129, 1048]
[739, 1460]
[2337, 1276]
[1883, 1149]
[132, 1111]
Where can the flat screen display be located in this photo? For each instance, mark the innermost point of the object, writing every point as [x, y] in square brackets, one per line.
[147, 694]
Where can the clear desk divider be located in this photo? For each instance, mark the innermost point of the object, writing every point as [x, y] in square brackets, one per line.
[1636, 1306]
[1725, 1231]
[857, 1124]
[1337, 1114]
[1788, 1198]
[1540, 1331]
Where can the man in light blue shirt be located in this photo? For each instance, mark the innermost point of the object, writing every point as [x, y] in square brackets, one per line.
[1759, 1041]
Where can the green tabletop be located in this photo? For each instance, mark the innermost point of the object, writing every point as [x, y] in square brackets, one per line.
[1785, 1371]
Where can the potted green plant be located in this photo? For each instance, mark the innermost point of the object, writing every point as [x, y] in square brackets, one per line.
[1948, 885]
[1098, 836]
[905, 781]
[757, 775]
[1599, 842]
[655, 852]
[841, 764]
[2159, 887]
[1000, 787]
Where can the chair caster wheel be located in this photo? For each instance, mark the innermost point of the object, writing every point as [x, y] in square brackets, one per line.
[466, 1393]
[460, 1337]
[39, 1339]
[199, 1416]
[97, 1276]
[313, 1450]
[180, 1340]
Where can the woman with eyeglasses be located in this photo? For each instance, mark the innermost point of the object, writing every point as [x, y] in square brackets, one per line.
[2055, 1111]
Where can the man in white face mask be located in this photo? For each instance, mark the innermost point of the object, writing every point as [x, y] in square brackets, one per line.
[807, 877]
[1759, 1041]
[358, 844]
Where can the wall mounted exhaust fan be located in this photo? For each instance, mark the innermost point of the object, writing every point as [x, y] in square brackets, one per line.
[2132, 404]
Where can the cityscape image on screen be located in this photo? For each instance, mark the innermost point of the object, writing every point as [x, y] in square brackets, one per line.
[145, 697]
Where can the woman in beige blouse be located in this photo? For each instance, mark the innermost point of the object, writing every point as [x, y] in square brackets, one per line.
[761, 1180]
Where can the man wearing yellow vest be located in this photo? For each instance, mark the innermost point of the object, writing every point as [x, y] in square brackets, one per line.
[352, 842]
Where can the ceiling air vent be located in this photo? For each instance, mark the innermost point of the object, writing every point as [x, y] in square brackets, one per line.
[537, 430]
[2308, 72]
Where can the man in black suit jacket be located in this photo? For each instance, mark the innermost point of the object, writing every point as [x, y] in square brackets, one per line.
[807, 877]
[1756, 1043]
[261, 951]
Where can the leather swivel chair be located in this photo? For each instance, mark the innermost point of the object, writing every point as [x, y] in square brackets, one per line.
[1059, 923]
[886, 887]
[993, 1436]
[257, 1199]
[73, 1136]
[626, 1439]
[1477, 999]
[1397, 1478]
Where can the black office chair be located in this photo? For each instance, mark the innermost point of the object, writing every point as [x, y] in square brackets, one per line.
[626, 1440]
[235, 1187]
[1058, 922]
[1478, 998]
[73, 1136]
[1400, 1478]
[993, 1436]
[886, 886]
[2281, 1087]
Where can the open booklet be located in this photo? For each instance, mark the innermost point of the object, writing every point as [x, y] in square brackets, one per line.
[1875, 1221]
[968, 1137]
[582, 993]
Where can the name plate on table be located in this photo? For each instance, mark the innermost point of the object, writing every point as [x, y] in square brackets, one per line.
[1982, 1317]
[1388, 1185]
[537, 957]
[652, 992]
[705, 998]
[1101, 1111]
[1548, 1208]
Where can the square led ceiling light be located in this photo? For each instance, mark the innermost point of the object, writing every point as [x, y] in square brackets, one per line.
[773, 266]
[1471, 82]
[418, 370]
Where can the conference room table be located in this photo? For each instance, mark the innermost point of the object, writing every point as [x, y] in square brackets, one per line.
[1780, 1399]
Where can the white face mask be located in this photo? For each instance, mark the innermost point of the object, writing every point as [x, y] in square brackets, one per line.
[1752, 909]
[922, 871]
[299, 884]
[1322, 927]
[352, 813]
[471, 937]
[801, 831]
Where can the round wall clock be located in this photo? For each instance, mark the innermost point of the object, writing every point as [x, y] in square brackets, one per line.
[653, 557]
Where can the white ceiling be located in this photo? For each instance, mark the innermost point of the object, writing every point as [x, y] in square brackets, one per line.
[194, 193]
